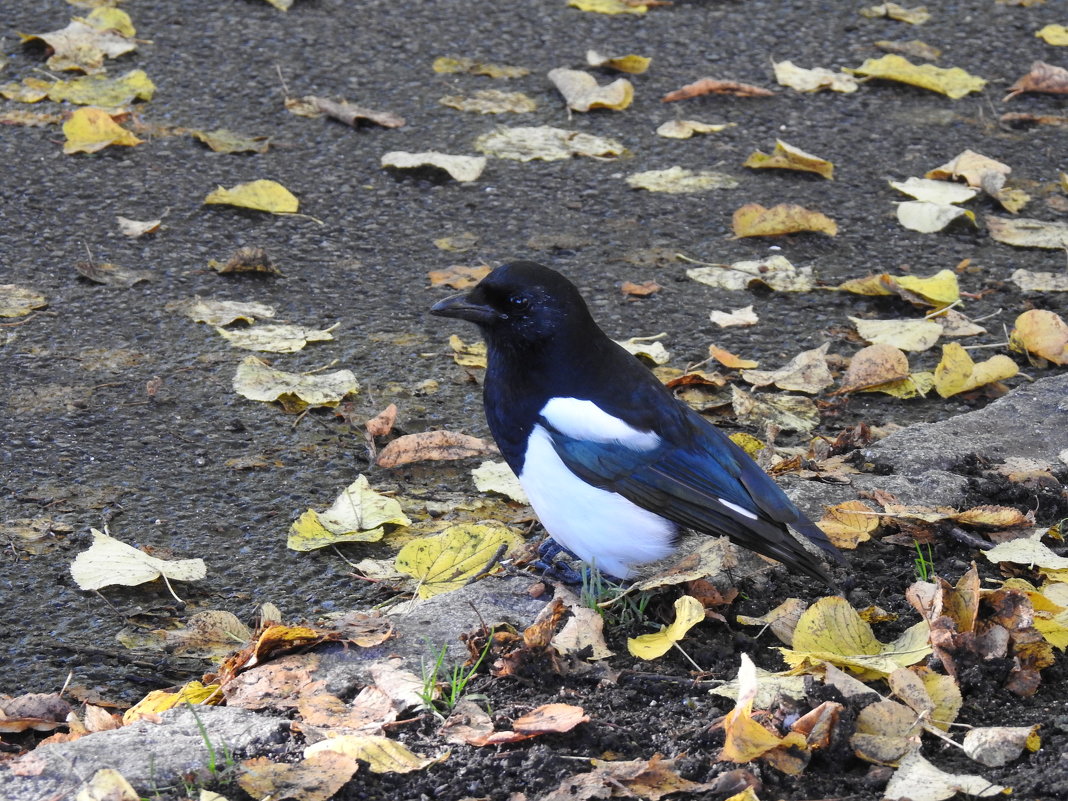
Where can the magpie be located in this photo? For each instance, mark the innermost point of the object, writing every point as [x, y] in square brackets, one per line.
[613, 464]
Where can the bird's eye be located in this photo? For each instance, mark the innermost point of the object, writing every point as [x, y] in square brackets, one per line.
[518, 302]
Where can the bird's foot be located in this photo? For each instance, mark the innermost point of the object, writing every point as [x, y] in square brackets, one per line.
[556, 570]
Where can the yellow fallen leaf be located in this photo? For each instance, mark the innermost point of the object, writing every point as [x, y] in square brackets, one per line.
[832, 631]
[788, 157]
[782, 620]
[545, 143]
[684, 129]
[607, 6]
[498, 477]
[995, 746]
[447, 561]
[582, 92]
[954, 83]
[82, 45]
[688, 613]
[466, 354]
[382, 754]
[1053, 35]
[812, 80]
[258, 381]
[753, 219]
[849, 524]
[110, 561]
[491, 101]
[221, 312]
[744, 738]
[360, 508]
[452, 64]
[91, 129]
[631, 64]
[912, 335]
[1025, 232]
[744, 316]
[18, 301]
[307, 533]
[262, 195]
[275, 338]
[105, 18]
[934, 697]
[158, 701]
[913, 16]
[317, 778]
[223, 140]
[677, 180]
[1043, 333]
[103, 90]
[885, 732]
[957, 373]
[940, 289]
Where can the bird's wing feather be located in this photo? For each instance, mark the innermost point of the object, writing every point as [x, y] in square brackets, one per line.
[703, 486]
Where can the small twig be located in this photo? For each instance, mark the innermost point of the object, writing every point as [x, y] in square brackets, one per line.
[490, 564]
[689, 659]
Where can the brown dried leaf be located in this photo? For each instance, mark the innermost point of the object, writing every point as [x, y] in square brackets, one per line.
[433, 446]
[342, 111]
[752, 219]
[1044, 78]
[382, 423]
[872, 366]
[706, 86]
[640, 290]
[458, 276]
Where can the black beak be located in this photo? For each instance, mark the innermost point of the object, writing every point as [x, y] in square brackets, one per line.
[461, 307]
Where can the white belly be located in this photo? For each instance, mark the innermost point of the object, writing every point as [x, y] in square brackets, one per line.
[600, 527]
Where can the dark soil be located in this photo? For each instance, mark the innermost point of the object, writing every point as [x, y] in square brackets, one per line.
[82, 442]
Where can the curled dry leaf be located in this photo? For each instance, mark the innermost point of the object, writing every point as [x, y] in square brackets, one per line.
[957, 373]
[1031, 281]
[688, 613]
[382, 423]
[782, 620]
[995, 746]
[498, 477]
[647, 347]
[316, 778]
[632, 64]
[582, 92]
[433, 446]
[970, 166]
[707, 86]
[1042, 333]
[642, 290]
[275, 338]
[461, 168]
[789, 412]
[806, 372]
[916, 779]
[382, 754]
[135, 228]
[788, 157]
[753, 219]
[927, 218]
[1053, 35]
[933, 191]
[1044, 78]
[913, 16]
[221, 312]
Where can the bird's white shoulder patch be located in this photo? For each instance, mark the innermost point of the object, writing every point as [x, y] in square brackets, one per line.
[739, 509]
[585, 420]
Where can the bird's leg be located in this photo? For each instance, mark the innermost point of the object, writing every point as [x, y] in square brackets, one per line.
[559, 571]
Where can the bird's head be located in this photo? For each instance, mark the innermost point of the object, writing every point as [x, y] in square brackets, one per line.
[521, 303]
